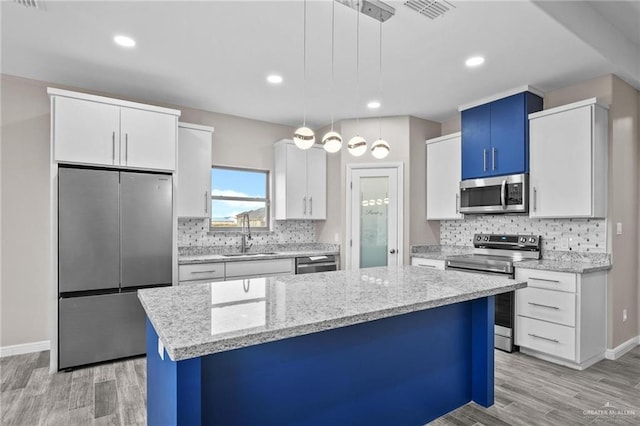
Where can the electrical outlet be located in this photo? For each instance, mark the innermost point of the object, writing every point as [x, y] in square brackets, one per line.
[336, 238]
[624, 315]
[619, 228]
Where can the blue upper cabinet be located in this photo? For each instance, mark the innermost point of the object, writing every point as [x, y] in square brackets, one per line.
[495, 136]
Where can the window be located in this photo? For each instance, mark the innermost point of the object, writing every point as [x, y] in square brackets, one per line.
[236, 192]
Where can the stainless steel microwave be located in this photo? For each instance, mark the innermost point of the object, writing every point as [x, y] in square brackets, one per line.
[500, 194]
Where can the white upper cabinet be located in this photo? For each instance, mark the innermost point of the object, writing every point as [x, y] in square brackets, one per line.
[149, 139]
[86, 132]
[194, 170]
[300, 182]
[95, 130]
[568, 161]
[443, 177]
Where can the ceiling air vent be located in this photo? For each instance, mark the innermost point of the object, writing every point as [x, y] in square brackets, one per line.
[29, 3]
[430, 8]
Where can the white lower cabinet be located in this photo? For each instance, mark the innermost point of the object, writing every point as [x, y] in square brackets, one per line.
[201, 272]
[561, 317]
[237, 270]
[427, 263]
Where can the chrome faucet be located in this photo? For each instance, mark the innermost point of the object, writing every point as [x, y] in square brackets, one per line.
[246, 233]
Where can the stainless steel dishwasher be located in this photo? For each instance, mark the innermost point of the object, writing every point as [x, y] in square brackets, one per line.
[311, 264]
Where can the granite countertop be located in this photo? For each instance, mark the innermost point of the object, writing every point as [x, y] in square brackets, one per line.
[214, 258]
[201, 319]
[438, 252]
[559, 261]
[576, 267]
[213, 254]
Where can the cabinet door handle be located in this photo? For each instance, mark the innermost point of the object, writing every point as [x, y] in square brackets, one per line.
[484, 160]
[535, 199]
[544, 338]
[544, 279]
[457, 203]
[113, 147]
[310, 206]
[304, 206]
[206, 207]
[203, 272]
[126, 148]
[544, 306]
[427, 266]
[493, 158]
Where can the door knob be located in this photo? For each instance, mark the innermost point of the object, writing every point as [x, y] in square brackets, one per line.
[392, 251]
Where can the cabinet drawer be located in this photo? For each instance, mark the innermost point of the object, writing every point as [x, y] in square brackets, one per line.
[201, 271]
[552, 339]
[258, 267]
[427, 263]
[547, 305]
[562, 281]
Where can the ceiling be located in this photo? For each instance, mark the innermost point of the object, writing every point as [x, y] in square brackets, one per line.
[215, 55]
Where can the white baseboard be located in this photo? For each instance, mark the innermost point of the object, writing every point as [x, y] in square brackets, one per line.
[25, 348]
[622, 349]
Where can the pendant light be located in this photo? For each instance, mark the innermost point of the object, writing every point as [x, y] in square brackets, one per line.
[304, 137]
[357, 145]
[332, 141]
[380, 148]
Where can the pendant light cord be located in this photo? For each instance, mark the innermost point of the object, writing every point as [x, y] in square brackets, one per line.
[380, 76]
[333, 31]
[304, 67]
[357, 66]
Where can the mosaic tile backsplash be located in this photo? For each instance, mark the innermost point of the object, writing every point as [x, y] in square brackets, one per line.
[195, 232]
[586, 235]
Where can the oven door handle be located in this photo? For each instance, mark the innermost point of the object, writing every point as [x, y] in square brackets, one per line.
[503, 191]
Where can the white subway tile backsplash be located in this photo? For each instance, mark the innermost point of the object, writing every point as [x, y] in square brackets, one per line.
[586, 235]
[195, 232]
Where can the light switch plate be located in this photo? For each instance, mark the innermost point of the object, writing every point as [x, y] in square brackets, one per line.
[618, 228]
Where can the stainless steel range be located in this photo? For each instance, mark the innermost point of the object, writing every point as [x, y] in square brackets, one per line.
[495, 254]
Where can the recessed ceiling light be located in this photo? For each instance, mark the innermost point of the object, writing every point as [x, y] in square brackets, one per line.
[373, 105]
[124, 41]
[474, 61]
[274, 79]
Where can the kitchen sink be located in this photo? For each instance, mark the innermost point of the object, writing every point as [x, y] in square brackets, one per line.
[248, 254]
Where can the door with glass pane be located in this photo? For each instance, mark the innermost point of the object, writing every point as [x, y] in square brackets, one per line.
[374, 217]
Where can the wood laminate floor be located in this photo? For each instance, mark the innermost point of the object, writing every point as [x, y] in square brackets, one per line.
[528, 392]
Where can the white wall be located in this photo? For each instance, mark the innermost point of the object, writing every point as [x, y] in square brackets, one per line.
[25, 286]
[406, 137]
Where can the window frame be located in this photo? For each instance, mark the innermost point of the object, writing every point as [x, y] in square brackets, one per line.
[266, 200]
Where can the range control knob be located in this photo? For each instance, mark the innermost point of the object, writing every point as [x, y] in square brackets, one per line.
[532, 240]
[486, 238]
[523, 240]
[478, 237]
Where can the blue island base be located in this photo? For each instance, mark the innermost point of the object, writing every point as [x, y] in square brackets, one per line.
[401, 370]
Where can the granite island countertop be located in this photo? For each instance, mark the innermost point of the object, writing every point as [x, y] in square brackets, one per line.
[202, 319]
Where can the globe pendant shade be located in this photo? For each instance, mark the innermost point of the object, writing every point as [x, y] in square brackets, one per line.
[380, 149]
[357, 146]
[332, 142]
[304, 138]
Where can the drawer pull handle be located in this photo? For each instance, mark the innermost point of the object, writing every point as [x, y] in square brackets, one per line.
[544, 338]
[544, 279]
[203, 272]
[428, 266]
[543, 306]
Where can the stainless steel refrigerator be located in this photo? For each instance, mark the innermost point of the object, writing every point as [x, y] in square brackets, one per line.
[114, 237]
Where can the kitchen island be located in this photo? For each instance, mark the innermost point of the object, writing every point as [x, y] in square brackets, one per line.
[396, 345]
